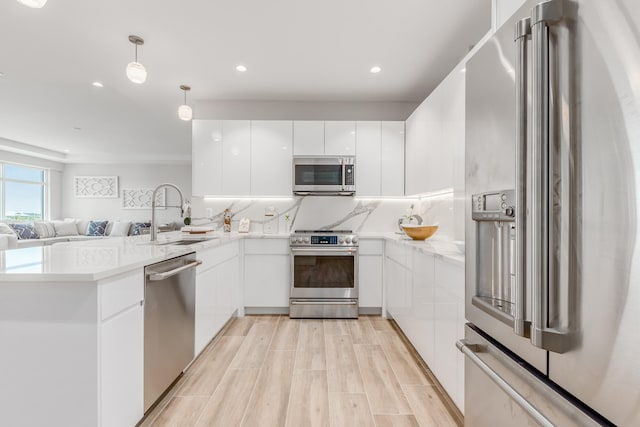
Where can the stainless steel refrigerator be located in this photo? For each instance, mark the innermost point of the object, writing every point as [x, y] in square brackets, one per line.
[552, 248]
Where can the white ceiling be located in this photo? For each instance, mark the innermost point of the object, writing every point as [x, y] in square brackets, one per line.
[295, 50]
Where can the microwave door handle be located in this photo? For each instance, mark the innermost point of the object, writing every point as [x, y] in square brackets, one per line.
[344, 182]
[522, 38]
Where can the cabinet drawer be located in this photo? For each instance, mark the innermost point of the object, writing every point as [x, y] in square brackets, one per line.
[397, 252]
[266, 246]
[213, 256]
[371, 247]
[121, 292]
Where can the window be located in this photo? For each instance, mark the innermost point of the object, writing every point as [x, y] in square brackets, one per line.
[24, 192]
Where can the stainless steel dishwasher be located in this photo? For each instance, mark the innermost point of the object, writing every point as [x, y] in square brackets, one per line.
[169, 323]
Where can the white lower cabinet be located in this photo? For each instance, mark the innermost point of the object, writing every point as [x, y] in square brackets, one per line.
[122, 368]
[217, 285]
[425, 296]
[267, 265]
[370, 261]
[449, 327]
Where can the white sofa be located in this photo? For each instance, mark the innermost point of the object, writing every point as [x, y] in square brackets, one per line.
[9, 240]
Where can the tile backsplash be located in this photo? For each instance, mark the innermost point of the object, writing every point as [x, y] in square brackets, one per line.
[327, 212]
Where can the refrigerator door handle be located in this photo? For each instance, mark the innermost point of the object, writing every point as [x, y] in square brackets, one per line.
[469, 350]
[542, 15]
[522, 37]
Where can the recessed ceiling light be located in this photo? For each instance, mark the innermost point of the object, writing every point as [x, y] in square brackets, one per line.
[375, 69]
[97, 84]
[77, 128]
[35, 4]
[241, 68]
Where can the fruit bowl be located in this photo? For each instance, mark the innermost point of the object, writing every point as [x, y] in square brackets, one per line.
[420, 232]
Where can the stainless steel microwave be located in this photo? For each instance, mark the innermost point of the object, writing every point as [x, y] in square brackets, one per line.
[324, 175]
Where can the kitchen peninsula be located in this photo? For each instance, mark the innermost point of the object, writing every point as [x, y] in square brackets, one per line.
[71, 326]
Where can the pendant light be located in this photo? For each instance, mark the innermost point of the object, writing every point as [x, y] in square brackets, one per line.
[184, 111]
[135, 70]
[35, 4]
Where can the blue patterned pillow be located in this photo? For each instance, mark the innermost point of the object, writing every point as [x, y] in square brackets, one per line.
[138, 228]
[25, 231]
[97, 228]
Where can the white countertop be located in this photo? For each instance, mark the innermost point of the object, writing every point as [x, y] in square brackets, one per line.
[436, 245]
[99, 259]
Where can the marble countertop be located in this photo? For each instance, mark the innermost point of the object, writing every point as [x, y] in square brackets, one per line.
[99, 259]
[440, 246]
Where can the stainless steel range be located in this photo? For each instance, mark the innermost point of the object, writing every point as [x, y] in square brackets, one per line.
[324, 274]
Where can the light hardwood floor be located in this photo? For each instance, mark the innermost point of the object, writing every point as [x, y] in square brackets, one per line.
[275, 371]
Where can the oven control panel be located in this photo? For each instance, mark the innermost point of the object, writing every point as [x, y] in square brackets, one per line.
[323, 238]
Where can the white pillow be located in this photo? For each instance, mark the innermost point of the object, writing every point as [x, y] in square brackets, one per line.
[44, 229]
[5, 229]
[120, 228]
[65, 228]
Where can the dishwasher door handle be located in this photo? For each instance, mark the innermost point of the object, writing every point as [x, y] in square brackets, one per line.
[161, 276]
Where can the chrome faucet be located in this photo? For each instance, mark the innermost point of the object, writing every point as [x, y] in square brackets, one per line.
[154, 231]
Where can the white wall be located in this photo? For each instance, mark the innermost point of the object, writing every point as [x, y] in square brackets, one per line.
[129, 176]
[302, 110]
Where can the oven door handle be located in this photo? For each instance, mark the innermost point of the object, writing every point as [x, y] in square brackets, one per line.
[324, 302]
[325, 251]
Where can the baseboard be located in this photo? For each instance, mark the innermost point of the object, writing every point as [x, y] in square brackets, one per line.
[448, 402]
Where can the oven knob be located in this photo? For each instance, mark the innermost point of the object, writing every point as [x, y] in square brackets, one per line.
[348, 240]
[354, 240]
[299, 240]
[341, 240]
[306, 240]
[293, 240]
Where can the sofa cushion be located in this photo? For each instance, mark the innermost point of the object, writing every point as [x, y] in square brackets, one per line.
[10, 241]
[5, 229]
[65, 228]
[138, 228]
[25, 231]
[97, 228]
[120, 228]
[44, 229]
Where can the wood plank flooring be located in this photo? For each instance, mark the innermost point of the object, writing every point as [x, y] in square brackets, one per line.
[274, 371]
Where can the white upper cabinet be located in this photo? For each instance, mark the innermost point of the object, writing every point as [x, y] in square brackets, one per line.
[392, 159]
[308, 138]
[368, 162]
[254, 158]
[434, 131]
[221, 157]
[340, 138]
[236, 157]
[317, 138]
[207, 157]
[380, 159]
[271, 157]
